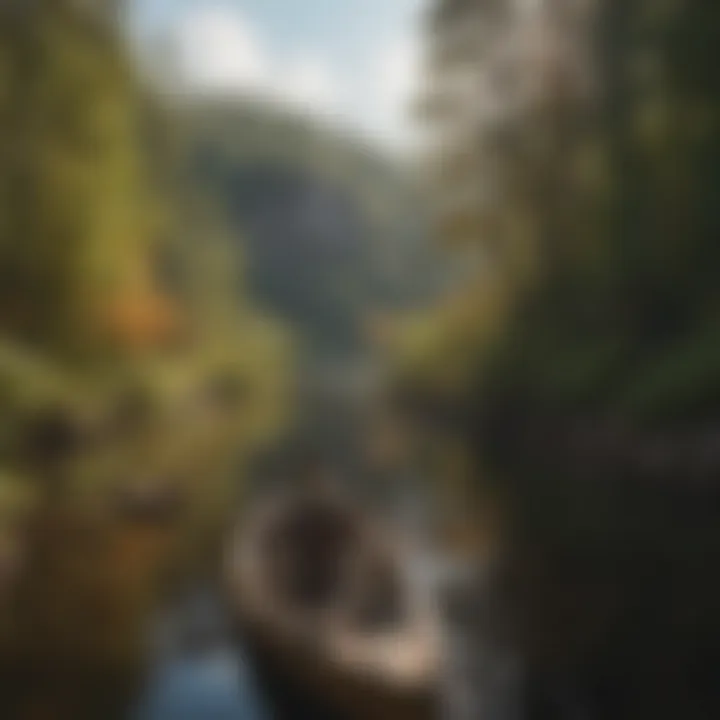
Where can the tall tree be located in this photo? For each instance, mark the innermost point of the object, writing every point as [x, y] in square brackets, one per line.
[584, 140]
[77, 220]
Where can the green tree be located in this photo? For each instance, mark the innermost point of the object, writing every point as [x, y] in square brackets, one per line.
[78, 218]
[585, 169]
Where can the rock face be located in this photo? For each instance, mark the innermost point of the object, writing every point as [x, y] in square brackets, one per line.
[328, 228]
[307, 248]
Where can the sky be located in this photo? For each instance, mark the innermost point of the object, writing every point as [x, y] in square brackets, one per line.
[355, 62]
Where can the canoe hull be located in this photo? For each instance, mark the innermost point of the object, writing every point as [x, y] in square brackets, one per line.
[302, 684]
[323, 657]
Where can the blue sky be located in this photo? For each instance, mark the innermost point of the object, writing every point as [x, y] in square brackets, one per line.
[356, 60]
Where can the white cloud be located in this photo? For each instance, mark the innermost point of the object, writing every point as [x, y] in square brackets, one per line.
[309, 82]
[400, 74]
[218, 49]
[396, 86]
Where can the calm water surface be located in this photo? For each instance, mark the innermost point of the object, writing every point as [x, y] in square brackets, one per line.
[198, 673]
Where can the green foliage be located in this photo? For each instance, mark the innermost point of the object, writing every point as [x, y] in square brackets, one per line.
[136, 376]
[598, 223]
[77, 214]
[592, 190]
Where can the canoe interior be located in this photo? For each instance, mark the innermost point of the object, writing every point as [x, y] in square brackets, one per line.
[324, 601]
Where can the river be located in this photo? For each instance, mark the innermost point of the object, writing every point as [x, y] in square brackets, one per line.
[198, 671]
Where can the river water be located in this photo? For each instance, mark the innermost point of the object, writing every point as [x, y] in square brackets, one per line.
[198, 671]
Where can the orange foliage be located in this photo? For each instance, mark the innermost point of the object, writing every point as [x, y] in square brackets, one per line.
[141, 320]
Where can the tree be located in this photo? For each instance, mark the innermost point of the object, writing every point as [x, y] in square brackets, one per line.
[78, 217]
[593, 196]
[123, 388]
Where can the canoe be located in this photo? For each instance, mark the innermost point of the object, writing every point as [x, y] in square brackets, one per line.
[351, 630]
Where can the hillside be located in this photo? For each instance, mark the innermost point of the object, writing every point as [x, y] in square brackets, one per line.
[329, 228]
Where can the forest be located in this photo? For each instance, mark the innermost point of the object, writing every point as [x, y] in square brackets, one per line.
[504, 349]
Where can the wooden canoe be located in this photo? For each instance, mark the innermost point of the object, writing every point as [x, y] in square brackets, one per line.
[360, 652]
